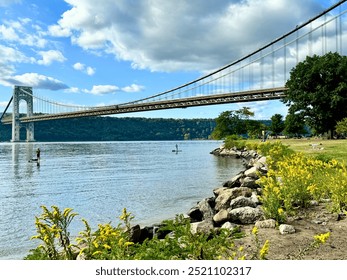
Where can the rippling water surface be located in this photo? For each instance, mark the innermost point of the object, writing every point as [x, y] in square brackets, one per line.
[99, 179]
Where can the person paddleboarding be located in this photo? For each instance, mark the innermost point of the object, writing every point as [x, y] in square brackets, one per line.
[38, 154]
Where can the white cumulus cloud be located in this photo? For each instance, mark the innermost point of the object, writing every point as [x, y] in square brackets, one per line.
[34, 80]
[78, 66]
[48, 57]
[23, 33]
[133, 88]
[162, 35]
[83, 68]
[90, 71]
[102, 89]
[58, 31]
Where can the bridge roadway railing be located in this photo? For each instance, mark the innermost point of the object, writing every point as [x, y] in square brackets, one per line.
[248, 96]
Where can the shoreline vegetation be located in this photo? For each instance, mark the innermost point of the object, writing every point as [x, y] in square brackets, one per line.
[117, 129]
[285, 204]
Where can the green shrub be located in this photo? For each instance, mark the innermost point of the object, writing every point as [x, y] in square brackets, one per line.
[234, 141]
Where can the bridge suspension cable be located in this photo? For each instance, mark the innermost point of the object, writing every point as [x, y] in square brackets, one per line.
[8, 105]
[45, 105]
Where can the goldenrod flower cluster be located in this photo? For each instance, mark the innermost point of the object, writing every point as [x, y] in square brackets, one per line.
[264, 250]
[322, 238]
[295, 179]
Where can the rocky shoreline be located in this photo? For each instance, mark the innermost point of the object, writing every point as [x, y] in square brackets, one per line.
[232, 205]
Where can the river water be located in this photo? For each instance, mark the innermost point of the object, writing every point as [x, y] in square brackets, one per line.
[99, 179]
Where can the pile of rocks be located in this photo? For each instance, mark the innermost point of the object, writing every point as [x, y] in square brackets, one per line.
[236, 202]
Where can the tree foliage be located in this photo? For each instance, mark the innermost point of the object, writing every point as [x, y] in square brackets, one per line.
[294, 125]
[236, 122]
[341, 127]
[277, 124]
[117, 129]
[317, 91]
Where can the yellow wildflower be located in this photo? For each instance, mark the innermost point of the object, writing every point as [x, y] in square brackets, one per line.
[264, 250]
[126, 244]
[96, 245]
[276, 190]
[311, 188]
[107, 247]
[124, 215]
[322, 238]
[255, 230]
[120, 241]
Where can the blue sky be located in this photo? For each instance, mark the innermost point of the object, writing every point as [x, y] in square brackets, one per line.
[104, 52]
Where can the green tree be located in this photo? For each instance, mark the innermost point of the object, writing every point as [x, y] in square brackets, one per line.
[245, 112]
[277, 124]
[317, 90]
[231, 122]
[341, 127]
[294, 125]
[255, 128]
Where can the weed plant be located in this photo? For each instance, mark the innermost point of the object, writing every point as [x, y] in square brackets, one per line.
[234, 142]
[114, 243]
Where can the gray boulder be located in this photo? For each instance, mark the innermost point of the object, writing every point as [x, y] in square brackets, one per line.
[205, 208]
[205, 226]
[135, 234]
[195, 214]
[260, 162]
[270, 223]
[221, 217]
[254, 198]
[229, 152]
[252, 172]
[218, 191]
[249, 182]
[226, 195]
[234, 182]
[231, 226]
[242, 201]
[245, 215]
[286, 229]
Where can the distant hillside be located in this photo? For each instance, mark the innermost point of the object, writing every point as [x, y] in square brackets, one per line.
[117, 129]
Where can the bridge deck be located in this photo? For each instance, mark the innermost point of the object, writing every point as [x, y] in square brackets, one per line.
[247, 96]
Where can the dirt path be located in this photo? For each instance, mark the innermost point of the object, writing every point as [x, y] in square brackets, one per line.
[316, 220]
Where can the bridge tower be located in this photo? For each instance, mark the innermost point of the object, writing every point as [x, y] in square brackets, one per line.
[26, 94]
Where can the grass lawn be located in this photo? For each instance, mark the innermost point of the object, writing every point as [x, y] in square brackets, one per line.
[330, 149]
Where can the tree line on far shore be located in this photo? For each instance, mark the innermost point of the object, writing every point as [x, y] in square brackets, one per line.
[117, 129]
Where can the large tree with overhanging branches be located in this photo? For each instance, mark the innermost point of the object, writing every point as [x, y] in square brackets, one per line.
[317, 91]
[237, 122]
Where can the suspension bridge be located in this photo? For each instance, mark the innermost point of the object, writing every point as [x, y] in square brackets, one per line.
[260, 75]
